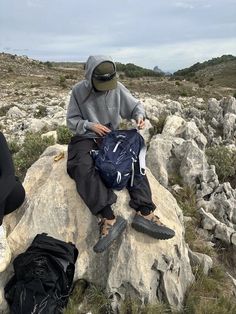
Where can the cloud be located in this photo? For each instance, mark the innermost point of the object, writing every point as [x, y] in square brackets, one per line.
[34, 3]
[184, 5]
[147, 33]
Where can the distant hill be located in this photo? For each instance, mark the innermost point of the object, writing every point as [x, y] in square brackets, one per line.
[219, 71]
[214, 78]
[21, 65]
[132, 70]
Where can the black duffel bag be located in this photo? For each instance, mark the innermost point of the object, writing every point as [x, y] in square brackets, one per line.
[43, 277]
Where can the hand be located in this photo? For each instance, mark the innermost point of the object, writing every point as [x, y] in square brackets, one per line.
[100, 129]
[140, 123]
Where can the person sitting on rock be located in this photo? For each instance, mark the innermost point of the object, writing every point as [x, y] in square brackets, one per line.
[12, 195]
[95, 102]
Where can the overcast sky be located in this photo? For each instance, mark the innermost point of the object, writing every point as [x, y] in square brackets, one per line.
[172, 34]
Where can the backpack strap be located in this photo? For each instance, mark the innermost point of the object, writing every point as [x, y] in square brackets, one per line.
[142, 155]
[142, 159]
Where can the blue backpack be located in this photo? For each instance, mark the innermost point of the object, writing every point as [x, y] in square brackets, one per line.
[116, 158]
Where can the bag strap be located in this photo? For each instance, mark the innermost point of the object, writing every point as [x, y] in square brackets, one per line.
[142, 155]
[142, 159]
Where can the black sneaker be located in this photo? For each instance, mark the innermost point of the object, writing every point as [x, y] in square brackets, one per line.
[109, 231]
[152, 226]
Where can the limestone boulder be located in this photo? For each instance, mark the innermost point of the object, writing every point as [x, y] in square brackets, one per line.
[228, 104]
[199, 259]
[158, 156]
[15, 113]
[135, 263]
[173, 126]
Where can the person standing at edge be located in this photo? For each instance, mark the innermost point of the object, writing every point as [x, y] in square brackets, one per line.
[12, 195]
[95, 103]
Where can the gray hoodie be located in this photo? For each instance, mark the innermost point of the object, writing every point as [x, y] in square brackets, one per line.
[88, 106]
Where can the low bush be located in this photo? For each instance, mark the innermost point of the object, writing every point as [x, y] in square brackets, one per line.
[33, 146]
[63, 135]
[183, 94]
[224, 161]
[209, 294]
[87, 298]
[62, 81]
[41, 111]
[14, 147]
[4, 110]
[134, 306]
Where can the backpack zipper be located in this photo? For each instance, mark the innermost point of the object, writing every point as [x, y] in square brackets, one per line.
[115, 148]
[118, 178]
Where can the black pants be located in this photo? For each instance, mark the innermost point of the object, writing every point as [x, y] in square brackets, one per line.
[12, 193]
[80, 167]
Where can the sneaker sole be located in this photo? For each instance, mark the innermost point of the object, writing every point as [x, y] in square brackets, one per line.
[160, 232]
[115, 234]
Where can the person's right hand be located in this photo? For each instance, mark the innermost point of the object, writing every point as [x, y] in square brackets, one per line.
[100, 129]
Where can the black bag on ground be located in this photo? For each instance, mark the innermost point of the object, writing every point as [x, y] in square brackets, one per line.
[43, 277]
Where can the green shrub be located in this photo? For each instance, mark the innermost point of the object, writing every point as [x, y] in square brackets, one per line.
[224, 160]
[62, 81]
[76, 297]
[4, 110]
[63, 135]
[98, 300]
[14, 147]
[209, 294]
[32, 148]
[48, 64]
[88, 298]
[41, 111]
[183, 94]
[134, 306]
[234, 95]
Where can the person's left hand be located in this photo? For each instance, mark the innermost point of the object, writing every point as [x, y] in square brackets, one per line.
[140, 123]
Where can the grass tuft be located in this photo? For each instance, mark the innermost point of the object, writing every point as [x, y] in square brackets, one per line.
[33, 146]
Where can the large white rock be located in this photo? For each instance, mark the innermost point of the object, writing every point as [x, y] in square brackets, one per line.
[15, 113]
[157, 157]
[135, 263]
[228, 104]
[173, 126]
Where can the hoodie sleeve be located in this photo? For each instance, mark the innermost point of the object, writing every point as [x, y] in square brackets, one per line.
[7, 171]
[75, 121]
[130, 107]
[6, 163]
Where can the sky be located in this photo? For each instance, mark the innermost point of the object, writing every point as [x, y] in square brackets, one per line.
[170, 34]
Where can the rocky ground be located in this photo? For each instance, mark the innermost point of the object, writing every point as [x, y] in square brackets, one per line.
[192, 158]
